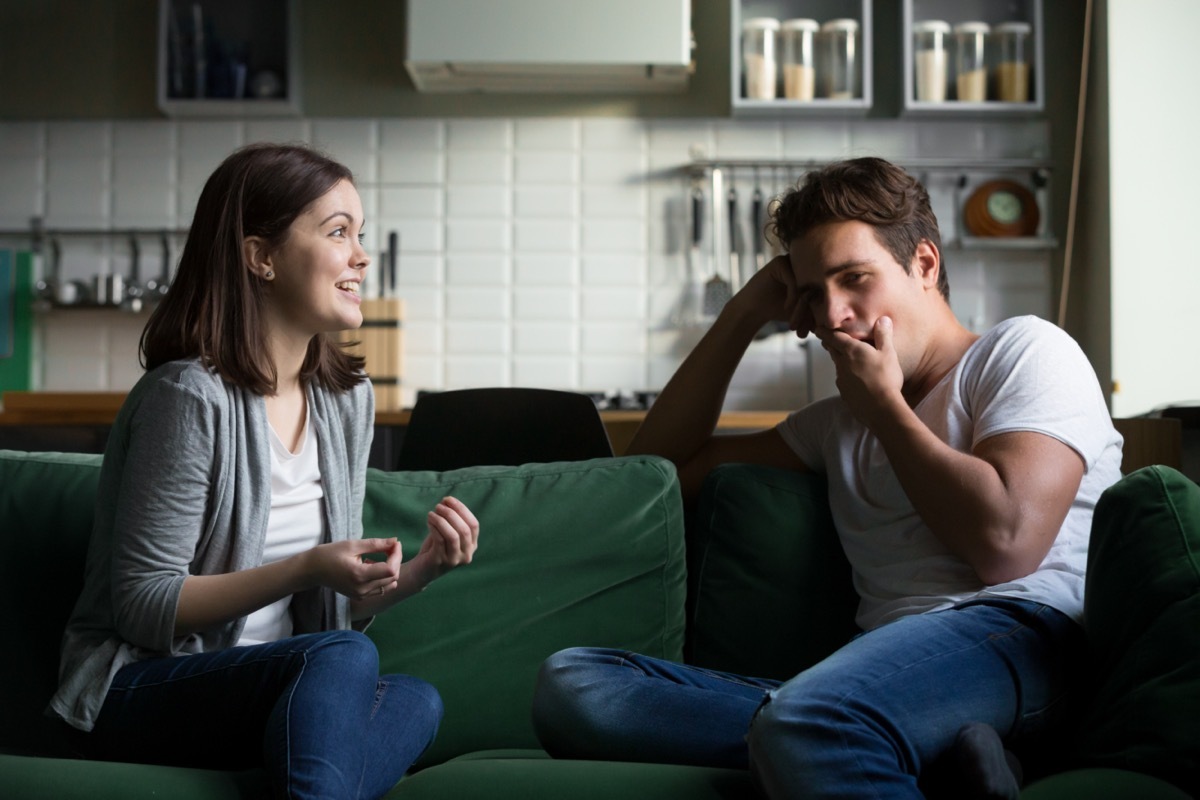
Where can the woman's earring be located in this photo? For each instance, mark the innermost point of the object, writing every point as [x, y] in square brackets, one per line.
[269, 275]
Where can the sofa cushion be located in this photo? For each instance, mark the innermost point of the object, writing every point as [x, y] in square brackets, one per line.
[571, 553]
[60, 778]
[515, 776]
[1142, 610]
[45, 522]
[770, 588]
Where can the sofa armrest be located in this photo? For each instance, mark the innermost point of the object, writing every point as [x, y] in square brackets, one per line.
[770, 590]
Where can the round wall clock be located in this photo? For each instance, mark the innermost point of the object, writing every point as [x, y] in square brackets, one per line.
[1001, 208]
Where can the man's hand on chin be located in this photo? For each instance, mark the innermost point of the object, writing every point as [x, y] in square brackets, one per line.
[868, 369]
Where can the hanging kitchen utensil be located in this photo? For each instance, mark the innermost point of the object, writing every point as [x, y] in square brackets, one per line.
[132, 299]
[757, 224]
[717, 290]
[735, 241]
[692, 301]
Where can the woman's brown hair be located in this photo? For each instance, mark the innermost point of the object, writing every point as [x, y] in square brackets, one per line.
[214, 309]
[868, 190]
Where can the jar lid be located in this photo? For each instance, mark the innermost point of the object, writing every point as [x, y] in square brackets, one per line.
[840, 25]
[972, 27]
[761, 23]
[801, 24]
[1014, 27]
[931, 26]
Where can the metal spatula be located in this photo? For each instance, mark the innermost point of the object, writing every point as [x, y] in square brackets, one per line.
[717, 290]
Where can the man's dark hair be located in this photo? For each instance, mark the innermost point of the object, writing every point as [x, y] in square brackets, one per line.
[869, 190]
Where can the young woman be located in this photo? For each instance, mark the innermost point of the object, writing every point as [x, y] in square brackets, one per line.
[227, 580]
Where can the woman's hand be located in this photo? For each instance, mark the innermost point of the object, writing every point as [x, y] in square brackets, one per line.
[343, 566]
[452, 540]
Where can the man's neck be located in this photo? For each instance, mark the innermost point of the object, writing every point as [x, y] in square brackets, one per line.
[946, 349]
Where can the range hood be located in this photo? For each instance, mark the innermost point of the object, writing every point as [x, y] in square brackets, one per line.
[613, 46]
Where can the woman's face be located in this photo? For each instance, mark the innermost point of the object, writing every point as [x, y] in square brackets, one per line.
[319, 268]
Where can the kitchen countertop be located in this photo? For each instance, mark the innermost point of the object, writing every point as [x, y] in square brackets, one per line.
[100, 408]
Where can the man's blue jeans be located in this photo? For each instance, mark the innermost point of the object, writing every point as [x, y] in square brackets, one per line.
[312, 709]
[863, 723]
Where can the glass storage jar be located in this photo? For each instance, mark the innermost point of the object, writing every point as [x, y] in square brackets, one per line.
[1012, 61]
[759, 66]
[799, 60]
[931, 60]
[970, 43]
[839, 68]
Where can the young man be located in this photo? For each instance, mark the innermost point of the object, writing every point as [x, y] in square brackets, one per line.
[962, 471]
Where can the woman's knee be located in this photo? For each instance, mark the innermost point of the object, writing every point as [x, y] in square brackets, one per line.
[350, 651]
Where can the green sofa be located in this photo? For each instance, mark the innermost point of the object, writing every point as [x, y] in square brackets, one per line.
[596, 553]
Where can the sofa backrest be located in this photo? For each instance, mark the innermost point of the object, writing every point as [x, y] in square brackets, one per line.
[570, 553]
[45, 522]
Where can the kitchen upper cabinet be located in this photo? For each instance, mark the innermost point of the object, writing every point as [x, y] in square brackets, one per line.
[973, 57]
[228, 58]
[794, 57]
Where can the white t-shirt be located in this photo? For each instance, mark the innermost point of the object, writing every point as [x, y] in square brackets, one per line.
[296, 524]
[1023, 375]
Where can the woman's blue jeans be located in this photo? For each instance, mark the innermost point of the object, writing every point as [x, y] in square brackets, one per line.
[863, 723]
[312, 709]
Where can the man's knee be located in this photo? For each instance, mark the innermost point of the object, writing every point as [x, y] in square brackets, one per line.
[560, 712]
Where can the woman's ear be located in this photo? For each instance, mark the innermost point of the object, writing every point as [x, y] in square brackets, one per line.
[257, 257]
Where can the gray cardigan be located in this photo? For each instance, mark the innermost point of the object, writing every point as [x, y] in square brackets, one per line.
[185, 489]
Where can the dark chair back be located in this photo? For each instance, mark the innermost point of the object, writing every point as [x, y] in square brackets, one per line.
[507, 426]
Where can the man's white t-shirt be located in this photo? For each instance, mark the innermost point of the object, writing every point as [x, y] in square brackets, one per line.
[1023, 375]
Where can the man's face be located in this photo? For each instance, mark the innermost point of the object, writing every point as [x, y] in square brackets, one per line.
[846, 280]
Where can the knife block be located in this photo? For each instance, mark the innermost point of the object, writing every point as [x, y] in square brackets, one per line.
[380, 341]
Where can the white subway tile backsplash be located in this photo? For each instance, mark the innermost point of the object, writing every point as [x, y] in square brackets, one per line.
[614, 133]
[558, 202]
[606, 372]
[761, 140]
[613, 236]
[143, 138]
[22, 139]
[545, 167]
[478, 167]
[612, 338]
[604, 270]
[23, 194]
[554, 269]
[79, 139]
[471, 304]
[614, 201]
[534, 251]
[614, 167]
[547, 134]
[479, 134]
[412, 202]
[412, 166]
[543, 338]
[545, 304]
[477, 270]
[538, 236]
[472, 372]
[478, 235]
[416, 235]
[476, 338]
[601, 304]
[407, 135]
[545, 372]
[479, 201]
